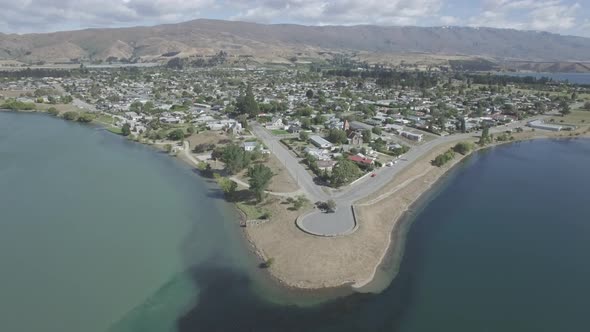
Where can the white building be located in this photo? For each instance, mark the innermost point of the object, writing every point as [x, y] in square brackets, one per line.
[320, 142]
[412, 136]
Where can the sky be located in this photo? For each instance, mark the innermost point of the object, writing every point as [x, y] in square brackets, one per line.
[570, 17]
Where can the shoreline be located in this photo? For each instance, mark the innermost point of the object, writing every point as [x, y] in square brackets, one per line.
[393, 248]
[407, 217]
[414, 188]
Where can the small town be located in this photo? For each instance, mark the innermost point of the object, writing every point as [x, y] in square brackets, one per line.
[269, 165]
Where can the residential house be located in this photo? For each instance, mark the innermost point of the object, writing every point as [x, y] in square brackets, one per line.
[320, 142]
[275, 123]
[411, 136]
[361, 160]
[326, 165]
[355, 138]
[249, 146]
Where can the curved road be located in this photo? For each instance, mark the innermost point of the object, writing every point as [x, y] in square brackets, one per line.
[342, 221]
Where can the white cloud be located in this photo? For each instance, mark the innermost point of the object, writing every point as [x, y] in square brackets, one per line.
[346, 12]
[40, 15]
[549, 15]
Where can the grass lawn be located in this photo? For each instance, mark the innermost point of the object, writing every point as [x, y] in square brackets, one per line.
[252, 211]
[279, 132]
[115, 130]
[574, 118]
[105, 119]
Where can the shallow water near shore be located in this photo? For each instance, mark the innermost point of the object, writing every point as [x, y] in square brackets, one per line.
[97, 233]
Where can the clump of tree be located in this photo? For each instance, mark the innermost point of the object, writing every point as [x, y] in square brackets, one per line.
[485, 136]
[463, 147]
[260, 176]
[15, 105]
[71, 116]
[126, 129]
[234, 157]
[227, 185]
[85, 118]
[586, 106]
[344, 172]
[53, 111]
[176, 135]
[246, 103]
[303, 136]
[297, 202]
[337, 136]
[564, 108]
[444, 158]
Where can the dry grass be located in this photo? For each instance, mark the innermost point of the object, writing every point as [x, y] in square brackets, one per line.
[208, 137]
[575, 118]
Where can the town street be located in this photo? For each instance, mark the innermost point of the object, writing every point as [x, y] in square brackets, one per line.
[342, 221]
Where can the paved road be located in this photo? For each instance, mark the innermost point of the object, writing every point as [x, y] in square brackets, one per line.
[342, 221]
[291, 163]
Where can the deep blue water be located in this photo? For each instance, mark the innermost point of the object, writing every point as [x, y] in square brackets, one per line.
[502, 245]
[103, 232]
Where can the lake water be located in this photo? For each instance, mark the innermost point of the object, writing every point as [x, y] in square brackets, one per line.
[577, 78]
[97, 233]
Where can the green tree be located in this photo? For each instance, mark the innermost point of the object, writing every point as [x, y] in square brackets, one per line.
[260, 176]
[376, 130]
[126, 130]
[53, 111]
[71, 116]
[337, 136]
[463, 147]
[306, 123]
[235, 158]
[309, 94]
[344, 172]
[228, 186]
[247, 104]
[176, 135]
[485, 136]
[303, 136]
[85, 117]
[564, 108]
[367, 135]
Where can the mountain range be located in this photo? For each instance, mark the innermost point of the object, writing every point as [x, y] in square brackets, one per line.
[287, 42]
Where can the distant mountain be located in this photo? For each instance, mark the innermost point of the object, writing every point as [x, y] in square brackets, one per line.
[283, 42]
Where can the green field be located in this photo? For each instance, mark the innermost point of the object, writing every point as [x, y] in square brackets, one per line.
[279, 132]
[574, 118]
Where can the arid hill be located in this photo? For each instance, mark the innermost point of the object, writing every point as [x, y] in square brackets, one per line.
[283, 42]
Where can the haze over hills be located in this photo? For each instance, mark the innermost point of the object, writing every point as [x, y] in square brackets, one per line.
[281, 42]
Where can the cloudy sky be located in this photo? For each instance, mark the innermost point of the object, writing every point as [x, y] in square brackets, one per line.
[561, 16]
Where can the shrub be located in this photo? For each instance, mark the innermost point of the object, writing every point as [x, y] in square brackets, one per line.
[443, 158]
[71, 116]
[53, 111]
[463, 147]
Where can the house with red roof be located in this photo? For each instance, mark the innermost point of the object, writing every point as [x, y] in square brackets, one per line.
[361, 160]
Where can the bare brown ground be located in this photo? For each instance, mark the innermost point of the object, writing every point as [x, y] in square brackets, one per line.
[207, 137]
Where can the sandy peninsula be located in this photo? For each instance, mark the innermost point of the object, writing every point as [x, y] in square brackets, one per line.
[305, 261]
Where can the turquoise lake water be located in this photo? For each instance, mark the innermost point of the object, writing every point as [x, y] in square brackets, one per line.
[101, 234]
